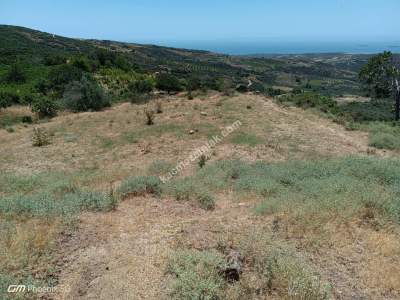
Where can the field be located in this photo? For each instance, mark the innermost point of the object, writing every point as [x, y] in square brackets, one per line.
[311, 208]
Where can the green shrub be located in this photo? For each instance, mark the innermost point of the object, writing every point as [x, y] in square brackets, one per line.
[312, 100]
[60, 77]
[309, 191]
[45, 107]
[141, 86]
[205, 200]
[188, 190]
[196, 275]
[140, 186]
[168, 82]
[47, 204]
[8, 98]
[85, 95]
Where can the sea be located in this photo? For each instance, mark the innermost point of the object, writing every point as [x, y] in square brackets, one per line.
[249, 47]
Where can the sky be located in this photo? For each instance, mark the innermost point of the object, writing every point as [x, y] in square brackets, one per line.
[152, 21]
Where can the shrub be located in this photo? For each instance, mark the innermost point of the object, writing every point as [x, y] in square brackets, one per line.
[275, 268]
[168, 82]
[45, 107]
[4, 101]
[140, 186]
[40, 137]
[205, 200]
[27, 119]
[197, 275]
[384, 135]
[312, 100]
[8, 98]
[149, 113]
[141, 86]
[47, 204]
[60, 76]
[85, 95]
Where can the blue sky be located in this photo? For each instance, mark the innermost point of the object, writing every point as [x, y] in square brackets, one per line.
[185, 20]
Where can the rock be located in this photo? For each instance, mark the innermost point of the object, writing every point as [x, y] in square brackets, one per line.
[203, 113]
[191, 132]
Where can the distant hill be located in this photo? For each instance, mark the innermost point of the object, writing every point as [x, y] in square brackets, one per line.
[326, 73]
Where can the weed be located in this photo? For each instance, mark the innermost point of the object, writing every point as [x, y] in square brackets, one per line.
[202, 161]
[40, 137]
[149, 116]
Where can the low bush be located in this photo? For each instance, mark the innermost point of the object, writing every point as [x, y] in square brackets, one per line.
[196, 275]
[140, 186]
[311, 192]
[40, 137]
[312, 100]
[188, 190]
[384, 135]
[50, 205]
[275, 268]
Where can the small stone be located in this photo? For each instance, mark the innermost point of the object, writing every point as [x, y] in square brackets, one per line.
[191, 132]
[203, 113]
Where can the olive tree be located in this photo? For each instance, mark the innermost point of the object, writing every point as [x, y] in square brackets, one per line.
[381, 75]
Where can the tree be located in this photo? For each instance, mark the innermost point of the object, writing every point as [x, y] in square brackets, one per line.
[45, 107]
[168, 82]
[141, 86]
[381, 75]
[85, 95]
[16, 74]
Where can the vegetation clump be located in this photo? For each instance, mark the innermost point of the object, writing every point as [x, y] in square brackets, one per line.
[40, 137]
[85, 95]
[140, 186]
[150, 116]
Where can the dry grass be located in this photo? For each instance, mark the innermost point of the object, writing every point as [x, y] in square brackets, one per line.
[123, 254]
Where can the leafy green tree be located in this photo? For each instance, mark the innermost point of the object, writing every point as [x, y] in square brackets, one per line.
[381, 75]
[61, 76]
[85, 95]
[168, 82]
[16, 74]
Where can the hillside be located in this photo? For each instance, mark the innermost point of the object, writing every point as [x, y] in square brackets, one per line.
[134, 171]
[329, 74]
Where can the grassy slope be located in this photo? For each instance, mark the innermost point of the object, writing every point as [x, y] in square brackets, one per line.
[91, 152]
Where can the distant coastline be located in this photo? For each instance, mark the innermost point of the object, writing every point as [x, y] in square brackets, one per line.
[282, 47]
